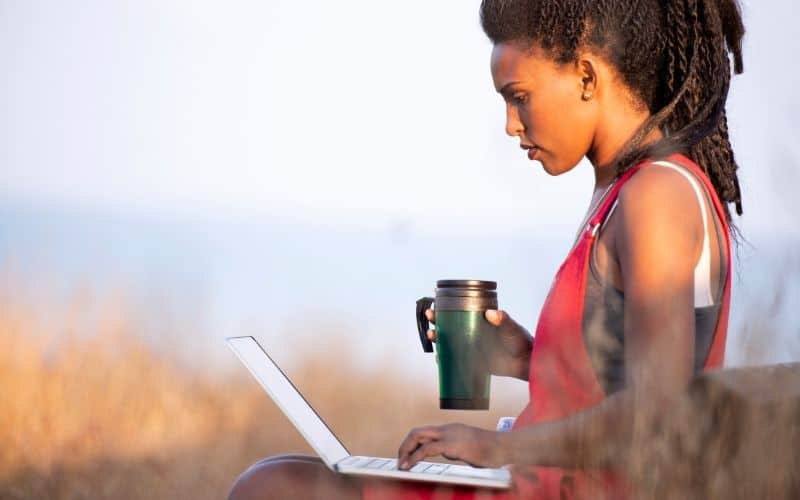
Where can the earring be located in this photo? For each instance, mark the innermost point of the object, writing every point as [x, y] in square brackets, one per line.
[587, 96]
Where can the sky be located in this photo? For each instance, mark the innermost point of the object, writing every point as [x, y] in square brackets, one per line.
[321, 119]
[345, 112]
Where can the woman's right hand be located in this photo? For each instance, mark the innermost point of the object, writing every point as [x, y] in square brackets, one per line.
[510, 349]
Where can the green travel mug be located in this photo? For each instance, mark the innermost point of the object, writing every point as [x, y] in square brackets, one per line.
[462, 341]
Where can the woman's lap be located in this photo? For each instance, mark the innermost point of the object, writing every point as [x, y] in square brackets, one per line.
[293, 476]
[303, 476]
[397, 490]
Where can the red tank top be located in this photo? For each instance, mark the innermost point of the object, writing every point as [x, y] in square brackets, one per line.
[562, 380]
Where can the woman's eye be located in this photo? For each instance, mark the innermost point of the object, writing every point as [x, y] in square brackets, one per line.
[519, 98]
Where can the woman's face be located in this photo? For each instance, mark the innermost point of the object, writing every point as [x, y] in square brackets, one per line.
[544, 106]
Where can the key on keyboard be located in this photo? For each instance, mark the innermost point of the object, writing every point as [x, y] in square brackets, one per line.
[436, 469]
[420, 467]
[378, 463]
[390, 465]
[357, 461]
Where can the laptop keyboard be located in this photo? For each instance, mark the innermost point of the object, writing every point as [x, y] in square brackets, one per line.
[391, 464]
[432, 468]
[422, 467]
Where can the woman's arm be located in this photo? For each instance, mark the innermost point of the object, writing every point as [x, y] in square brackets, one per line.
[657, 243]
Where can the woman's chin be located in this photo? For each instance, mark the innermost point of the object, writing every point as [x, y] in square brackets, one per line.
[552, 169]
[555, 168]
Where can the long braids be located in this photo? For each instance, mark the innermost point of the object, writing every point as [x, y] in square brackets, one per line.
[673, 55]
[707, 30]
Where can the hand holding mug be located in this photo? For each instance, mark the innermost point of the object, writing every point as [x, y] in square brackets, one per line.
[510, 352]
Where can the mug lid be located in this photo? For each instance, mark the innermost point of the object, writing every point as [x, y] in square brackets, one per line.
[473, 284]
[465, 292]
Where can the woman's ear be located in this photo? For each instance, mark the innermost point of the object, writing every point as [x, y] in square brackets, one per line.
[588, 76]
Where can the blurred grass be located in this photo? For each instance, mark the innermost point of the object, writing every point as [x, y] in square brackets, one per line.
[89, 409]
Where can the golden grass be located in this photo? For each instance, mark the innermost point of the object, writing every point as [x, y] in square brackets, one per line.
[88, 409]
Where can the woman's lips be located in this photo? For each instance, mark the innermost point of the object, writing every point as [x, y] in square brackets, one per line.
[533, 153]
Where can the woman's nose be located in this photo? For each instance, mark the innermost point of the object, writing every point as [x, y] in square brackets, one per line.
[514, 126]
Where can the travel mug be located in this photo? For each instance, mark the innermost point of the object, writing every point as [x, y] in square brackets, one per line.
[463, 339]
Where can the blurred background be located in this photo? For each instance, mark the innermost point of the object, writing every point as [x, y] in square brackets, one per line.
[175, 172]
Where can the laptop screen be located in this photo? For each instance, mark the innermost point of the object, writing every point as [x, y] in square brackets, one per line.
[288, 399]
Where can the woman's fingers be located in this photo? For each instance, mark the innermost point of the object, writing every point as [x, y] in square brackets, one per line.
[415, 438]
[431, 315]
[495, 317]
[429, 449]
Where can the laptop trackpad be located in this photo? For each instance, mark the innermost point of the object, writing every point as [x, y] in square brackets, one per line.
[466, 471]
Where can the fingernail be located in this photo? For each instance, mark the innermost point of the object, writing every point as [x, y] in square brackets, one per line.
[404, 465]
[491, 314]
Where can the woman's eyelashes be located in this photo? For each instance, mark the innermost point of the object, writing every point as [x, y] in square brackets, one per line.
[519, 98]
[515, 98]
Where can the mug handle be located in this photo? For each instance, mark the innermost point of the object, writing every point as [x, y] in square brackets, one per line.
[423, 324]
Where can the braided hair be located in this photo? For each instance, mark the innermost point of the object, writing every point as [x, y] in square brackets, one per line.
[673, 56]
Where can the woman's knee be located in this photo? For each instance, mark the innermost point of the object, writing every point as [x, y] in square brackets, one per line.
[291, 476]
[288, 457]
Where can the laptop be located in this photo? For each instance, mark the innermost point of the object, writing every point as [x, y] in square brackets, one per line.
[328, 446]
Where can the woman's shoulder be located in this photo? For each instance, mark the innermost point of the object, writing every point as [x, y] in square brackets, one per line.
[659, 203]
[662, 187]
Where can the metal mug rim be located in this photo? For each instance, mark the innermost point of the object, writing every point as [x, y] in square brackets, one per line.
[470, 284]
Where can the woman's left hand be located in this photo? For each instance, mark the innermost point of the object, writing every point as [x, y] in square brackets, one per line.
[477, 447]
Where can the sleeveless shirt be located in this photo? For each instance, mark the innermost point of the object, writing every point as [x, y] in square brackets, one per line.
[604, 309]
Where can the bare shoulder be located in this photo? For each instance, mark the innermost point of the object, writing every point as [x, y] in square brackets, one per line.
[656, 185]
[659, 213]
[661, 196]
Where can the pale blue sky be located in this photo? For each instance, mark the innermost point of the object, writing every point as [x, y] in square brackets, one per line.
[320, 150]
[345, 112]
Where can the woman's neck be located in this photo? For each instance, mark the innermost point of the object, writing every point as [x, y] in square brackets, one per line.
[611, 136]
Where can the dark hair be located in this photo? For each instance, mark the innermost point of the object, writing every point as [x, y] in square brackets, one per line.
[672, 55]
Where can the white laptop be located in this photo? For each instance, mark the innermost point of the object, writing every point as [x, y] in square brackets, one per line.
[328, 446]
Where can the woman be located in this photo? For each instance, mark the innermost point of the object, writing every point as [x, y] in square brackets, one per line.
[641, 302]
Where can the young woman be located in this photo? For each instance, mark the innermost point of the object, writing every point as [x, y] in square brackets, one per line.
[640, 303]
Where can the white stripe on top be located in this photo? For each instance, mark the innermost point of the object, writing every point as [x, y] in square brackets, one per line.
[702, 271]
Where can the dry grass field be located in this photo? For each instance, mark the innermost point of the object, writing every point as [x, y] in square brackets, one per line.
[88, 409]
